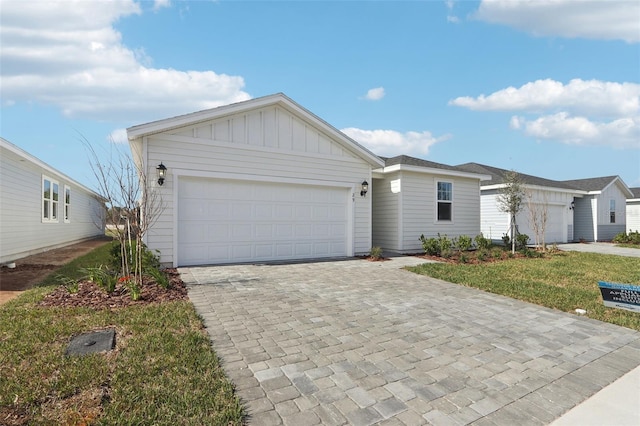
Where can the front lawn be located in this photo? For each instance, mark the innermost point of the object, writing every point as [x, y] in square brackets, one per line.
[564, 281]
[162, 372]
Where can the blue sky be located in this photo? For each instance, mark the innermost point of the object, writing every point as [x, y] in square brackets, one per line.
[549, 88]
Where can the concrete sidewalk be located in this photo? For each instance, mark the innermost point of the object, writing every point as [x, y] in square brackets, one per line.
[618, 404]
[602, 248]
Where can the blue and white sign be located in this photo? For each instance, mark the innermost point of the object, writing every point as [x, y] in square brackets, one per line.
[623, 296]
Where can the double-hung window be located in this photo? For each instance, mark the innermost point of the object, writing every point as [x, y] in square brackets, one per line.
[612, 211]
[445, 201]
[50, 199]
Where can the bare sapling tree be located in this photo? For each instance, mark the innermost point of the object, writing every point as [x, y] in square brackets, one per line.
[510, 200]
[132, 200]
[538, 211]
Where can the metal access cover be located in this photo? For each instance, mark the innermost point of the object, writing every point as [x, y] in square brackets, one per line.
[88, 343]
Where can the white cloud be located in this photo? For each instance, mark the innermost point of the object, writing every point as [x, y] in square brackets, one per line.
[605, 20]
[159, 4]
[375, 94]
[450, 17]
[391, 143]
[595, 97]
[118, 136]
[620, 133]
[580, 112]
[68, 54]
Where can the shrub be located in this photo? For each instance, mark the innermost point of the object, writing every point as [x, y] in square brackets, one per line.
[430, 246]
[159, 277]
[521, 241]
[104, 278]
[464, 243]
[632, 238]
[463, 258]
[506, 240]
[376, 253]
[496, 253]
[481, 255]
[149, 260]
[482, 242]
[69, 283]
[446, 253]
[444, 243]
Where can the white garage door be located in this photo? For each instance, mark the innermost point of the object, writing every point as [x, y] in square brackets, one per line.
[554, 228]
[226, 221]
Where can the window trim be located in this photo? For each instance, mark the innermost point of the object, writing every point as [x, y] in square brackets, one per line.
[50, 218]
[66, 205]
[438, 201]
[612, 210]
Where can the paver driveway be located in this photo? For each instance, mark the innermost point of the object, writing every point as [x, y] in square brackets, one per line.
[363, 343]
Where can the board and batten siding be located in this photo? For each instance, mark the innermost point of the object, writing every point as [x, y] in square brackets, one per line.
[266, 145]
[584, 218]
[22, 230]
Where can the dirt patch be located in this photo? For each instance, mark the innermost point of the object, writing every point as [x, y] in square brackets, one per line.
[31, 270]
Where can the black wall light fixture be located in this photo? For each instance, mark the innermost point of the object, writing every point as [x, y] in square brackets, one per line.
[162, 171]
[364, 188]
[572, 206]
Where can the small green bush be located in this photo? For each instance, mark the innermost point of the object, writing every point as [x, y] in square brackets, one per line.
[464, 243]
[482, 242]
[496, 253]
[70, 284]
[633, 237]
[481, 255]
[463, 258]
[104, 278]
[430, 245]
[376, 253]
[149, 259]
[521, 241]
[506, 240]
[445, 244]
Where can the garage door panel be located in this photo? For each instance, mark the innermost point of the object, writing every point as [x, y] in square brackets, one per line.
[222, 221]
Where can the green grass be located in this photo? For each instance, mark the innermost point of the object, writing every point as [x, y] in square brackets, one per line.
[564, 281]
[634, 246]
[163, 371]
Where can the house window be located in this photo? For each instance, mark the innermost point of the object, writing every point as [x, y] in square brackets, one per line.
[50, 199]
[612, 211]
[67, 202]
[445, 198]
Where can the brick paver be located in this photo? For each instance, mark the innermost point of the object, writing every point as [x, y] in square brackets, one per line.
[356, 342]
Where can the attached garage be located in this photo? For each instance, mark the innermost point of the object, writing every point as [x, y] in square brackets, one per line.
[261, 180]
[228, 221]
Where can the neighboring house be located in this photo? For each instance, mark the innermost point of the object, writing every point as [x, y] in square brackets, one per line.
[601, 213]
[41, 208]
[556, 197]
[259, 180]
[412, 197]
[633, 211]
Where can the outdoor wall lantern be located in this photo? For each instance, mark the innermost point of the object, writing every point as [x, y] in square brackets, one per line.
[162, 171]
[572, 206]
[365, 188]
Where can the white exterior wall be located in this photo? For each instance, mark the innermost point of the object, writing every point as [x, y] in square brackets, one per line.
[22, 230]
[606, 230]
[410, 211]
[387, 206]
[494, 223]
[633, 215]
[270, 144]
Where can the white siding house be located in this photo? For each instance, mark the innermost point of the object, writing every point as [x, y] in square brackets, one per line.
[259, 180]
[41, 208]
[601, 214]
[412, 197]
[556, 197]
[633, 211]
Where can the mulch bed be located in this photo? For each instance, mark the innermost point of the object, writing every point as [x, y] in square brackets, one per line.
[92, 296]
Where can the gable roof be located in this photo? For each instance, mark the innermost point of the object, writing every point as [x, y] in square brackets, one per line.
[635, 192]
[406, 162]
[280, 99]
[498, 176]
[592, 184]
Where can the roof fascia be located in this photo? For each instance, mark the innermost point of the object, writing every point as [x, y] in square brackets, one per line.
[621, 184]
[431, 171]
[28, 157]
[577, 192]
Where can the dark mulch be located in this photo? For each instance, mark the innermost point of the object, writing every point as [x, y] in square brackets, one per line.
[92, 296]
